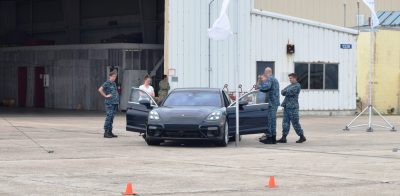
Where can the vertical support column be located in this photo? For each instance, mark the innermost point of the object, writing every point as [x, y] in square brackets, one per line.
[8, 21]
[166, 34]
[72, 20]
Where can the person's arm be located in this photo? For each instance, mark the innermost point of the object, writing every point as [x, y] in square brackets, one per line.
[284, 91]
[102, 93]
[267, 85]
[294, 90]
[152, 91]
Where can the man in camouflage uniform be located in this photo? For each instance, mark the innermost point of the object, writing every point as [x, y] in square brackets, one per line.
[164, 88]
[271, 86]
[109, 91]
[291, 110]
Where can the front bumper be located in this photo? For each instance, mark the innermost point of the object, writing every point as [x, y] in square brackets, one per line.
[207, 131]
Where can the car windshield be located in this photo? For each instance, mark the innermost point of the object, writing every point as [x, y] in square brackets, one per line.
[193, 98]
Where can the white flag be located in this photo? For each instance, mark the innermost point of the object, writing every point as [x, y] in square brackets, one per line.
[221, 28]
[374, 17]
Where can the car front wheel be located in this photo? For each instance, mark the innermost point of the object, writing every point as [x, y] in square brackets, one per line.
[152, 142]
[225, 140]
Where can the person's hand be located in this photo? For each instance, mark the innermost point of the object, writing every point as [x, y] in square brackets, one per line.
[264, 78]
[109, 96]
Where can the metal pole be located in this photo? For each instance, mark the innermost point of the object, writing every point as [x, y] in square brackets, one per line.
[209, 44]
[237, 76]
[370, 81]
[370, 107]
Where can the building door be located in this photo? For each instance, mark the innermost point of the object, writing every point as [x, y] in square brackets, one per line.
[22, 85]
[39, 87]
[261, 65]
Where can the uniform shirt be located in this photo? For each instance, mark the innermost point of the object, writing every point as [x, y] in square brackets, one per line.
[164, 88]
[149, 90]
[272, 86]
[111, 88]
[291, 94]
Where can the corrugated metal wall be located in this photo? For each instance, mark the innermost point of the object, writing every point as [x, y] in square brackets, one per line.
[313, 44]
[75, 71]
[261, 38]
[188, 43]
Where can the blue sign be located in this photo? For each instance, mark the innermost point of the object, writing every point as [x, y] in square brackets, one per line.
[345, 46]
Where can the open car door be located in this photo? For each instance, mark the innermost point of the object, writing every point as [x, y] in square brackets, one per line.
[253, 113]
[139, 105]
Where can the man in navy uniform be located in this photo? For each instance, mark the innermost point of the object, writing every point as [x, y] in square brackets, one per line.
[109, 91]
[291, 110]
[271, 86]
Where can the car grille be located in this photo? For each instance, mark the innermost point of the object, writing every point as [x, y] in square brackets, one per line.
[183, 131]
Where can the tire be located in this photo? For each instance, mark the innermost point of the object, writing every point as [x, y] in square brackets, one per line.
[151, 142]
[225, 140]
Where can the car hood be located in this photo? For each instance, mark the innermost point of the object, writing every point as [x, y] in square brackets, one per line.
[185, 115]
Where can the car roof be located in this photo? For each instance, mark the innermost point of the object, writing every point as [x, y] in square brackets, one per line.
[198, 89]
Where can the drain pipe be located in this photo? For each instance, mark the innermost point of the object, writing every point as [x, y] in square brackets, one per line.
[209, 44]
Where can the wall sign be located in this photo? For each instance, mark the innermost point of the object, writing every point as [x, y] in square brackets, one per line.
[345, 46]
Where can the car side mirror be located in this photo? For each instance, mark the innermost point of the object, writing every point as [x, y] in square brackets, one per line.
[243, 103]
[145, 102]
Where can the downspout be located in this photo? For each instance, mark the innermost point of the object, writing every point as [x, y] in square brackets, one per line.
[209, 44]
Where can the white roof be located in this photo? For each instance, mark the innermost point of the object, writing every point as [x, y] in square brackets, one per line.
[304, 21]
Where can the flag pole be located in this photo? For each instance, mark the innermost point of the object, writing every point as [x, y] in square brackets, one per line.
[237, 76]
[370, 108]
[221, 31]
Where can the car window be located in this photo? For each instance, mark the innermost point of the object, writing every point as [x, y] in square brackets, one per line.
[193, 98]
[137, 95]
[254, 97]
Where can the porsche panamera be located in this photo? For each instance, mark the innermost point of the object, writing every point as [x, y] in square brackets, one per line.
[204, 114]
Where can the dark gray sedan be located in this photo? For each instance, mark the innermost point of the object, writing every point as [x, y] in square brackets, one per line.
[195, 114]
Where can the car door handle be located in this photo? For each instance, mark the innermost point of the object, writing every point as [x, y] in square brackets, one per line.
[263, 109]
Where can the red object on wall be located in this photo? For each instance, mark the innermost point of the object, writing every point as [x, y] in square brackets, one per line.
[39, 88]
[37, 42]
[22, 85]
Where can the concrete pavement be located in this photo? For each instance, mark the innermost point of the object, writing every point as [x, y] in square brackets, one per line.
[331, 162]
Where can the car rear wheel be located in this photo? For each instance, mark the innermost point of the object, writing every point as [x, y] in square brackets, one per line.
[225, 140]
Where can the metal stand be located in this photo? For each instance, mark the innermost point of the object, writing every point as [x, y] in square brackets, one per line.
[370, 129]
[370, 108]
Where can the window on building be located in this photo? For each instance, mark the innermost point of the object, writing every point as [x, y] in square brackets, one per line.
[331, 76]
[301, 69]
[317, 76]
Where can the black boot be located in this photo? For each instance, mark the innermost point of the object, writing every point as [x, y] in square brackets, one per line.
[272, 140]
[107, 134]
[112, 134]
[282, 140]
[269, 140]
[302, 139]
[263, 137]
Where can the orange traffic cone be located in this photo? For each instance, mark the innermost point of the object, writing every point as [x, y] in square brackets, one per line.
[129, 190]
[271, 183]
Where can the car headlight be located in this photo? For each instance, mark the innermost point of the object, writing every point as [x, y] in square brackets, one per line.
[214, 116]
[154, 115]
